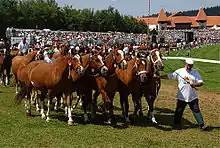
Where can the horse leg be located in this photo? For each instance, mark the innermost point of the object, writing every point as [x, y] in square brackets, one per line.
[58, 102]
[110, 108]
[3, 78]
[124, 105]
[16, 84]
[150, 100]
[8, 76]
[42, 96]
[94, 104]
[49, 105]
[140, 106]
[36, 101]
[87, 102]
[28, 101]
[84, 105]
[78, 100]
[78, 97]
[69, 112]
[62, 101]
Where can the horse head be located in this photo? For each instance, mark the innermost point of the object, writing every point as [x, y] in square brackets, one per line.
[119, 59]
[97, 64]
[142, 73]
[156, 58]
[76, 65]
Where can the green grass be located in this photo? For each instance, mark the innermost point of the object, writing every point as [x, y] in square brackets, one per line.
[18, 130]
[211, 52]
[209, 72]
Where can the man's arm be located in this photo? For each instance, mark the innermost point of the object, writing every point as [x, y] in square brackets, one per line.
[164, 77]
[198, 84]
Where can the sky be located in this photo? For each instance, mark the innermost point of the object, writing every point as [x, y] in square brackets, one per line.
[140, 7]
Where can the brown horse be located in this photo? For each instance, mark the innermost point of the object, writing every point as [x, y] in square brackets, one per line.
[92, 71]
[151, 88]
[131, 80]
[5, 63]
[55, 78]
[19, 62]
[109, 85]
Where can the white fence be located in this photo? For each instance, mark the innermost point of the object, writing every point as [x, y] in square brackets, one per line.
[195, 59]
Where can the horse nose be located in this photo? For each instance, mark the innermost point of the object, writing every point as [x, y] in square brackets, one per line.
[104, 70]
[81, 70]
[143, 77]
[124, 64]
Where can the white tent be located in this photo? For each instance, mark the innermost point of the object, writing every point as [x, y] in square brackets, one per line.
[215, 27]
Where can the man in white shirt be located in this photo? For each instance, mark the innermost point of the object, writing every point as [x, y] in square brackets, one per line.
[188, 79]
[23, 45]
[49, 57]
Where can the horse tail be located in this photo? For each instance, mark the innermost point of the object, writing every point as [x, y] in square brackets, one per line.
[20, 96]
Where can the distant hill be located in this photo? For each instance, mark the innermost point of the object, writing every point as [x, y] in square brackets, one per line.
[210, 11]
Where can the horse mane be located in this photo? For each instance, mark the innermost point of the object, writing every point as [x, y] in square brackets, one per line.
[108, 62]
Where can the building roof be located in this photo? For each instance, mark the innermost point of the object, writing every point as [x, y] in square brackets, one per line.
[201, 16]
[162, 17]
[152, 20]
[179, 18]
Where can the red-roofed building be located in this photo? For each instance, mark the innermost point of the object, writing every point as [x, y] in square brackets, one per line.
[179, 21]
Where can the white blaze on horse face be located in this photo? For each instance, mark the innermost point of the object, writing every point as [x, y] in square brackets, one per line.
[143, 62]
[121, 53]
[100, 58]
[77, 57]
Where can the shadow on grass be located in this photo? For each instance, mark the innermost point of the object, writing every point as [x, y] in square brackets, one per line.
[164, 117]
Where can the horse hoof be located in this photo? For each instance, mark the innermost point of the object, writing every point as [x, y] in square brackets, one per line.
[43, 117]
[48, 119]
[154, 121]
[28, 113]
[127, 120]
[70, 123]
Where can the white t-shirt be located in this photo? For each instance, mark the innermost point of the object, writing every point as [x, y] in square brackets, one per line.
[185, 91]
[48, 60]
[23, 47]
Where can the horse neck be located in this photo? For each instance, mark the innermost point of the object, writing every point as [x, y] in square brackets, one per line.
[128, 75]
[60, 64]
[85, 61]
[29, 57]
[109, 62]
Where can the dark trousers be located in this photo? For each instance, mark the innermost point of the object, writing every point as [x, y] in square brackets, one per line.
[194, 106]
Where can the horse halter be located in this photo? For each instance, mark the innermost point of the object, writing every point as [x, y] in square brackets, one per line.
[115, 63]
[155, 65]
[100, 70]
[144, 62]
[77, 69]
[142, 75]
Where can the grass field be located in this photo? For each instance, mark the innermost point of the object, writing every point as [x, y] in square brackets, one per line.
[211, 52]
[18, 130]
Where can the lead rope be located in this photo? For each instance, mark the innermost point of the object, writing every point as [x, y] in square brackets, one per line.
[69, 66]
